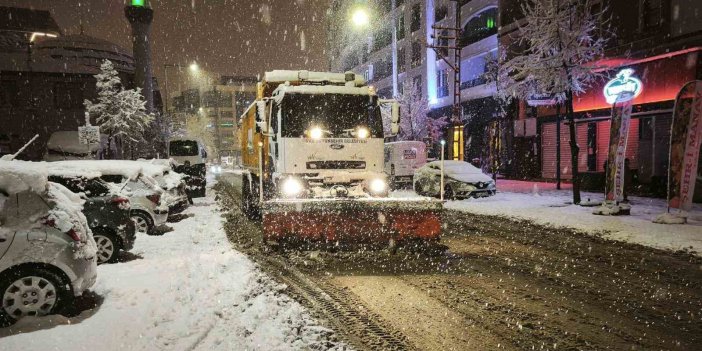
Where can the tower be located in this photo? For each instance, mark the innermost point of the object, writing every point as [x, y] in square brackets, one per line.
[140, 15]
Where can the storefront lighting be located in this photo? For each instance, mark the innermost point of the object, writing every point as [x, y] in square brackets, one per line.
[623, 83]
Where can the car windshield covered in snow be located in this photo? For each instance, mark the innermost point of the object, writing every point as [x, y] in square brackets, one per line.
[457, 167]
[183, 148]
[337, 113]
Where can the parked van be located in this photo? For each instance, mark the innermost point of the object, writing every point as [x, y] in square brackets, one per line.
[402, 159]
[190, 156]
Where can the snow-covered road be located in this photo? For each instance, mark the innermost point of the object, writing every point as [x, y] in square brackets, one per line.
[543, 204]
[186, 290]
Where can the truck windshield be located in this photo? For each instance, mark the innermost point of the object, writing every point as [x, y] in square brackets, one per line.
[336, 113]
[183, 148]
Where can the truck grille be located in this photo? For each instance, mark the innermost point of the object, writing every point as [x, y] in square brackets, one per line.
[336, 165]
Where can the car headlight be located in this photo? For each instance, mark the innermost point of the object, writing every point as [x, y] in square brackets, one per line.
[362, 133]
[292, 187]
[213, 169]
[378, 186]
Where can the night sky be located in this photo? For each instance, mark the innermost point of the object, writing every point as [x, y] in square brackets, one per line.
[243, 37]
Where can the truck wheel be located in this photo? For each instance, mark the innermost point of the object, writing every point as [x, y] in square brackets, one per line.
[249, 205]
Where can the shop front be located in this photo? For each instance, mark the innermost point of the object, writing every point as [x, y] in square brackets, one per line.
[656, 82]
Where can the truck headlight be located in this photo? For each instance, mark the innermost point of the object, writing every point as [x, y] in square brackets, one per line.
[378, 186]
[315, 133]
[362, 133]
[292, 187]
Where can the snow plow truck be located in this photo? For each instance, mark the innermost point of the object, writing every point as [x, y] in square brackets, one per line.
[312, 150]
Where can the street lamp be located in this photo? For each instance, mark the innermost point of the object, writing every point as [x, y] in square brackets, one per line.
[194, 67]
[360, 17]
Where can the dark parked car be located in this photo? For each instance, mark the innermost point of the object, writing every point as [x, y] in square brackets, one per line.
[108, 215]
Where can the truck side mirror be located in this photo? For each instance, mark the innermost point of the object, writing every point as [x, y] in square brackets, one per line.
[395, 123]
[261, 118]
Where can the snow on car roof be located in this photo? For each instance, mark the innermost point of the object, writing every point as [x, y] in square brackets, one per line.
[97, 168]
[19, 176]
[67, 141]
[454, 165]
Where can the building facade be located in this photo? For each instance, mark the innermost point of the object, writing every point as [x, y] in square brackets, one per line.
[394, 52]
[45, 76]
[222, 104]
[660, 41]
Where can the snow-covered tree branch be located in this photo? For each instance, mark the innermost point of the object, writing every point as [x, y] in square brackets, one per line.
[120, 112]
[562, 42]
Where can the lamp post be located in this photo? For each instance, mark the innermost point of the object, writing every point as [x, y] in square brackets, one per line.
[441, 191]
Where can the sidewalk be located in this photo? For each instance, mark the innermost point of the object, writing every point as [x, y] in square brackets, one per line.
[185, 290]
[542, 203]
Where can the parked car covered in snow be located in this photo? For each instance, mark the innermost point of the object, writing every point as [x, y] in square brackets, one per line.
[461, 180]
[107, 212]
[175, 194]
[65, 145]
[47, 252]
[143, 192]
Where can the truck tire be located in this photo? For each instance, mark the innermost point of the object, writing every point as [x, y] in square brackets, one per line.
[249, 202]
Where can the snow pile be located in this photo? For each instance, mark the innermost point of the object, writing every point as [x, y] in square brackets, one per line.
[187, 290]
[66, 215]
[555, 208]
[19, 176]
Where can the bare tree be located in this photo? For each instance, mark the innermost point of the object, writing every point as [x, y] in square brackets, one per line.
[415, 123]
[562, 40]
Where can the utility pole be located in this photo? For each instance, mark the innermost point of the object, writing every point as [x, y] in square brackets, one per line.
[442, 44]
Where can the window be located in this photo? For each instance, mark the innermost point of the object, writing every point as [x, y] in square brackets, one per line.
[651, 14]
[480, 27]
[8, 93]
[442, 84]
[68, 95]
[473, 71]
[401, 26]
[368, 74]
[401, 60]
[440, 13]
[416, 54]
[383, 38]
[382, 69]
[416, 23]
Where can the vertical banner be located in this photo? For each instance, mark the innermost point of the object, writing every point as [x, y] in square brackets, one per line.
[685, 142]
[618, 138]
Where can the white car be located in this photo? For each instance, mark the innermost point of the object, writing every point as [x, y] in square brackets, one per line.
[47, 252]
[461, 180]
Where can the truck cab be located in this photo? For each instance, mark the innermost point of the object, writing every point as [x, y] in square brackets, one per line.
[318, 135]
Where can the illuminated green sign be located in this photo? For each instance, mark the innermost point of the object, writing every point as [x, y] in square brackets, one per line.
[139, 3]
[490, 23]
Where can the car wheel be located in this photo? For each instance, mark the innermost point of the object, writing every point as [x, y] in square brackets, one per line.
[107, 246]
[418, 188]
[448, 193]
[31, 292]
[142, 221]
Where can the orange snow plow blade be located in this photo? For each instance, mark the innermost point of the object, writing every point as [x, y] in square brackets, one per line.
[346, 220]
